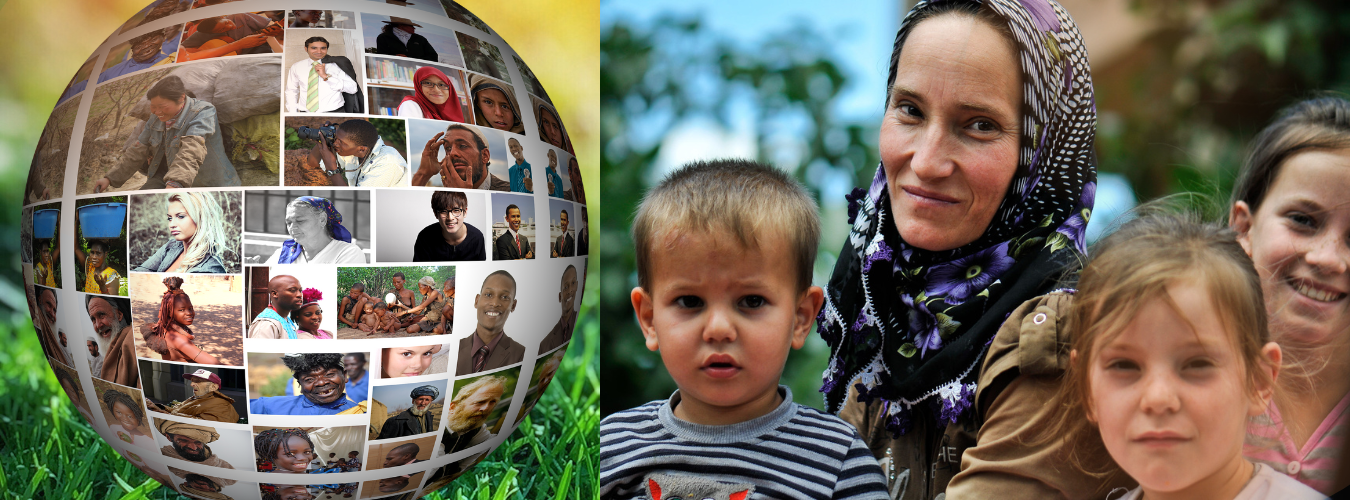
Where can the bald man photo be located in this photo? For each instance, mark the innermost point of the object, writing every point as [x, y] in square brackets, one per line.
[274, 322]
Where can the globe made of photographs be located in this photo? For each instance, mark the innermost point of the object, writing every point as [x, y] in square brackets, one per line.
[293, 253]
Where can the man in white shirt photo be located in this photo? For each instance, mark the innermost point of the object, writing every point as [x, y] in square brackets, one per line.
[359, 157]
[317, 87]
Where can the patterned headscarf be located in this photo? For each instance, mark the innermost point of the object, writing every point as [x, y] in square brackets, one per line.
[291, 249]
[480, 83]
[907, 325]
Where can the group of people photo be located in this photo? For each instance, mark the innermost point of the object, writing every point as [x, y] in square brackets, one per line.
[978, 347]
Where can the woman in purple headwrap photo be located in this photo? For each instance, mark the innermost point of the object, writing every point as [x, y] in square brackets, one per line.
[317, 235]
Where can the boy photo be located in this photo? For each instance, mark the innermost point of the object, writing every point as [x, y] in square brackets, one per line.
[723, 298]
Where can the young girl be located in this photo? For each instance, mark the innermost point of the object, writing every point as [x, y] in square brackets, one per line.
[1171, 359]
[284, 451]
[171, 335]
[408, 361]
[128, 417]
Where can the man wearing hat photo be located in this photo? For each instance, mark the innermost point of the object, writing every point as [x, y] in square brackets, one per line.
[398, 38]
[206, 403]
[419, 419]
[190, 442]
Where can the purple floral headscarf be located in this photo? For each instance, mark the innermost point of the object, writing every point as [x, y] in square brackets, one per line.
[908, 326]
[291, 249]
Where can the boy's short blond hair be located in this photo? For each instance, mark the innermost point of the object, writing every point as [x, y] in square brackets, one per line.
[741, 198]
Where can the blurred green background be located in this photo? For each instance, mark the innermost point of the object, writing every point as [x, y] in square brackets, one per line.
[1181, 86]
[49, 451]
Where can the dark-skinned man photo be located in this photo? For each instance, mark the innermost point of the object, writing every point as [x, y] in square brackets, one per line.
[323, 384]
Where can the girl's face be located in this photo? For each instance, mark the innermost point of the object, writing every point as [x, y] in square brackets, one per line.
[1170, 396]
[1299, 239]
[182, 310]
[309, 317]
[407, 361]
[492, 103]
[297, 459]
[436, 90]
[125, 415]
[181, 225]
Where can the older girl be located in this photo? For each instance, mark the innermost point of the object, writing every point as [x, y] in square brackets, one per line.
[1291, 211]
[434, 97]
[171, 335]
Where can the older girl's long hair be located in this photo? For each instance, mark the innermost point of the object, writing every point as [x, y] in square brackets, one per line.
[167, 303]
[210, 237]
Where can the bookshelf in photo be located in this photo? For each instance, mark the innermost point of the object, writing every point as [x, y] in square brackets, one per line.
[391, 79]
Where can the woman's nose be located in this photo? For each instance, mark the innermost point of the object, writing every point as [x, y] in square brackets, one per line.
[1330, 254]
[931, 160]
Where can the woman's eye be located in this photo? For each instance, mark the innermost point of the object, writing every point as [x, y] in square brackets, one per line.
[689, 302]
[753, 302]
[909, 110]
[984, 126]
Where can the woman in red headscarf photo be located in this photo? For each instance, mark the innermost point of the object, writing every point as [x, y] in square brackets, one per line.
[434, 96]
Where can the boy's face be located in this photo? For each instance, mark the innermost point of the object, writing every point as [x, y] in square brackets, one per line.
[723, 318]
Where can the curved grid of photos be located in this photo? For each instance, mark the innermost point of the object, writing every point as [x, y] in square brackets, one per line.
[252, 225]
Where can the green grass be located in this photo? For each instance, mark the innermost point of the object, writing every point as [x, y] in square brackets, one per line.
[51, 452]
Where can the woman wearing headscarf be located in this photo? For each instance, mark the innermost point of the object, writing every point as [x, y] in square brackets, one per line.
[197, 237]
[317, 235]
[551, 128]
[434, 96]
[171, 333]
[979, 205]
[494, 105]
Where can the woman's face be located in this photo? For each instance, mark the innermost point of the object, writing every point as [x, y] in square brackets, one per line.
[950, 135]
[305, 224]
[297, 459]
[182, 310]
[97, 256]
[1299, 240]
[407, 361]
[496, 110]
[309, 317]
[166, 109]
[436, 90]
[125, 415]
[181, 225]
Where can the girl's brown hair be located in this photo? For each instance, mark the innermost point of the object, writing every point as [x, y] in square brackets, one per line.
[1125, 271]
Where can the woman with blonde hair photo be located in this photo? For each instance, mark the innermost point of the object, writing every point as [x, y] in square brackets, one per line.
[197, 237]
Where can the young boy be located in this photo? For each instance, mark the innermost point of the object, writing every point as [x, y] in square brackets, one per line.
[724, 292]
[384, 320]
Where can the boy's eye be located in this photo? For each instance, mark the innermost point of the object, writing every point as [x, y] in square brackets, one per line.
[753, 302]
[689, 302]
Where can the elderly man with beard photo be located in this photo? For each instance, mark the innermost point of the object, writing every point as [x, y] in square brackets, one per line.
[489, 347]
[274, 322]
[414, 420]
[189, 442]
[206, 403]
[323, 386]
[113, 339]
[466, 419]
[199, 486]
[466, 161]
[567, 295]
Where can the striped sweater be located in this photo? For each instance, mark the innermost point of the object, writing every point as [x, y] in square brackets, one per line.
[792, 452]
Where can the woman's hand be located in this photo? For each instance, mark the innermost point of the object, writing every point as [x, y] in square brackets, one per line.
[102, 185]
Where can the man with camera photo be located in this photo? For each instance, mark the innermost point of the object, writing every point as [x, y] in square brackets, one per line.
[352, 154]
[318, 83]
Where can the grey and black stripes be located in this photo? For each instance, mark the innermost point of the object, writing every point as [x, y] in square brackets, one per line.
[805, 454]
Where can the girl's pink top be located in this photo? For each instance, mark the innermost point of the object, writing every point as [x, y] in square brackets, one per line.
[1316, 463]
